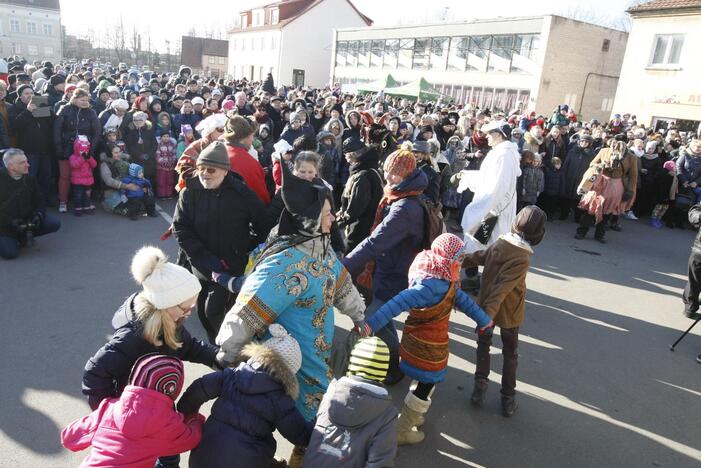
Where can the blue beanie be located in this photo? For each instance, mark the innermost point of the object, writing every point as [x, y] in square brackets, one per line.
[135, 170]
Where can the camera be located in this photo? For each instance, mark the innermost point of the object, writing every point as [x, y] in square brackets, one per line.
[25, 231]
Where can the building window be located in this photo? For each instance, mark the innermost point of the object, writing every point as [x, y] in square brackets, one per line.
[364, 54]
[422, 51]
[457, 54]
[31, 27]
[244, 21]
[605, 45]
[439, 53]
[253, 47]
[389, 59]
[352, 56]
[258, 17]
[222, 60]
[500, 55]
[274, 16]
[32, 50]
[49, 51]
[406, 52]
[341, 52]
[478, 51]
[666, 49]
[16, 48]
[377, 50]
[48, 30]
[234, 43]
[211, 60]
[273, 43]
[523, 59]
[262, 43]
[14, 25]
[243, 44]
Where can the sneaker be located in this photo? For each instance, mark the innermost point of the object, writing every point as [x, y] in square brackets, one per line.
[692, 315]
[508, 406]
[479, 393]
[630, 215]
[62, 207]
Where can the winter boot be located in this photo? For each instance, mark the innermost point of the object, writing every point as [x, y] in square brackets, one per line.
[412, 413]
[508, 406]
[479, 393]
[297, 457]
[581, 233]
[600, 232]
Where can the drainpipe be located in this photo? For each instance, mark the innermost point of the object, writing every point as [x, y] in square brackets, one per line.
[586, 80]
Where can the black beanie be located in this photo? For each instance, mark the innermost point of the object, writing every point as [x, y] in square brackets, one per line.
[56, 80]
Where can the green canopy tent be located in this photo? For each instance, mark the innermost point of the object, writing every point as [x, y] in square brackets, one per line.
[420, 89]
[378, 85]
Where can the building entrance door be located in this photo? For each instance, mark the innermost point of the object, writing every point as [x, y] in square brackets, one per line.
[298, 78]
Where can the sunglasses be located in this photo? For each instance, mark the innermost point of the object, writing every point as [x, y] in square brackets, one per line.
[208, 170]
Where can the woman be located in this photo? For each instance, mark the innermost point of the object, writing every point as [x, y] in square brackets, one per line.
[113, 116]
[297, 281]
[534, 141]
[112, 181]
[212, 226]
[612, 193]
[140, 139]
[75, 118]
[395, 238]
[150, 321]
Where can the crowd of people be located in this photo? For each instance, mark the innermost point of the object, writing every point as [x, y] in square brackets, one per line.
[292, 203]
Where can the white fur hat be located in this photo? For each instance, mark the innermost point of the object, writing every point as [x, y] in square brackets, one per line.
[165, 284]
[285, 346]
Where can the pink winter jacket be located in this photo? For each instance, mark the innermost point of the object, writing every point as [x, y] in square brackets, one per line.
[81, 170]
[132, 431]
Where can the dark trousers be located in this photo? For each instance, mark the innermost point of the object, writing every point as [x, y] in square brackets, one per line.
[569, 204]
[171, 461]
[587, 221]
[212, 305]
[509, 351]
[81, 196]
[137, 205]
[9, 246]
[40, 167]
[423, 390]
[693, 284]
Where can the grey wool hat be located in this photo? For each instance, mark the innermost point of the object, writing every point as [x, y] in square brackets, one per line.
[214, 155]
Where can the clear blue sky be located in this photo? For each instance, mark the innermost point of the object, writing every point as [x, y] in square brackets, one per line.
[171, 19]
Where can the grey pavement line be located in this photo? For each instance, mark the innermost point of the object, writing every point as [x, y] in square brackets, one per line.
[163, 214]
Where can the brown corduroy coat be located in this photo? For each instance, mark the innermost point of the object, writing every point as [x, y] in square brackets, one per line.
[503, 287]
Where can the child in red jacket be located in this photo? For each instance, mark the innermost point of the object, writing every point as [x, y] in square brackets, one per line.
[82, 165]
[142, 424]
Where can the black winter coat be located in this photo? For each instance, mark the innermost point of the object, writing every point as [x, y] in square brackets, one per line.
[360, 198]
[107, 372]
[251, 403]
[70, 122]
[141, 147]
[215, 225]
[19, 200]
[695, 220]
[573, 169]
[34, 134]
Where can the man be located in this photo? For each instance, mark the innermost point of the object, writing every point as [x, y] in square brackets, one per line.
[493, 206]
[212, 224]
[22, 212]
[242, 106]
[34, 137]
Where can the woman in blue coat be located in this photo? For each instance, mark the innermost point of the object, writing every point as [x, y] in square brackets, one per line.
[381, 262]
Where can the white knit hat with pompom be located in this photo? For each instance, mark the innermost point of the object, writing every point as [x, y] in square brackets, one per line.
[165, 284]
[285, 346]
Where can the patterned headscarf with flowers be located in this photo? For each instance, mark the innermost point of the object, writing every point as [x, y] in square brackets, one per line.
[443, 261]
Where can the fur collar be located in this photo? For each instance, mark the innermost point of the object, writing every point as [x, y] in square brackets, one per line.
[532, 140]
[517, 241]
[274, 365]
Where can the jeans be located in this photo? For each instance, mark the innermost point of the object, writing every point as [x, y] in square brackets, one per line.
[388, 334]
[40, 167]
[9, 246]
[509, 351]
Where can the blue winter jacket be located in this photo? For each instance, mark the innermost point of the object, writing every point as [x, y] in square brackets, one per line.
[553, 180]
[689, 168]
[250, 405]
[142, 183]
[425, 293]
[394, 243]
[185, 119]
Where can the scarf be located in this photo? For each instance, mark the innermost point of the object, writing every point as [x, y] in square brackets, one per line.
[391, 195]
[442, 262]
[479, 141]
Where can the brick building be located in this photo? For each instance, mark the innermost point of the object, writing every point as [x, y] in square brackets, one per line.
[205, 56]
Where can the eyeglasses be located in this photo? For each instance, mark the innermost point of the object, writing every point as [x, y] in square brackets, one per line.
[208, 170]
[187, 309]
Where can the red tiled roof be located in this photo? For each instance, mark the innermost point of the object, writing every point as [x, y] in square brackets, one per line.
[657, 5]
[290, 10]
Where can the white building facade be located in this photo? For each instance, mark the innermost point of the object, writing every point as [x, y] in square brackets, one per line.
[292, 40]
[532, 63]
[31, 29]
[660, 75]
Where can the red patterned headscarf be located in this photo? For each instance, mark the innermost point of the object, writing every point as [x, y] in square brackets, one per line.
[443, 261]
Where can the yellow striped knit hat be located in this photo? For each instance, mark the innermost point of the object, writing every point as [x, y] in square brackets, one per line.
[369, 359]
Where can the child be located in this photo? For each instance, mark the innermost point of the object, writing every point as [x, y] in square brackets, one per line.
[187, 136]
[356, 425]
[165, 165]
[109, 138]
[253, 400]
[549, 199]
[163, 125]
[140, 425]
[141, 199]
[434, 290]
[669, 185]
[283, 154]
[532, 179]
[502, 296]
[82, 180]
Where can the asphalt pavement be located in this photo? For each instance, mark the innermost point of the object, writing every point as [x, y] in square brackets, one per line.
[597, 384]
